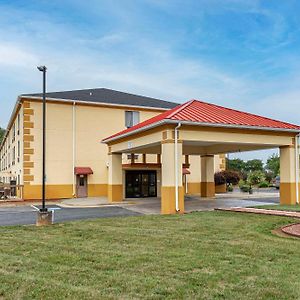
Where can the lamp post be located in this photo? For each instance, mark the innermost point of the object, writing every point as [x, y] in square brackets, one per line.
[44, 70]
[44, 216]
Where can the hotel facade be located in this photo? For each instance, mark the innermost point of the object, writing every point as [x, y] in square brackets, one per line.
[77, 163]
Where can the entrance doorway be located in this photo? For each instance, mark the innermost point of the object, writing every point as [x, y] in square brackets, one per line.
[81, 186]
[140, 184]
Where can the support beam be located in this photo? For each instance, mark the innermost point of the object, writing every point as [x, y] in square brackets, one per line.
[115, 180]
[207, 176]
[287, 175]
[168, 179]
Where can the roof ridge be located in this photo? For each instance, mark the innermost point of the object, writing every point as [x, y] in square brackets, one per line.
[97, 89]
[180, 108]
[244, 112]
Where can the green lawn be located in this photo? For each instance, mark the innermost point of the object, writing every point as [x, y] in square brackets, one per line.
[280, 207]
[207, 255]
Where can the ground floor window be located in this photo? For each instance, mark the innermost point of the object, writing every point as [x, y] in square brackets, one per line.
[140, 184]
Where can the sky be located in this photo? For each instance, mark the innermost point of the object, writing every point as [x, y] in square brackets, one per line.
[243, 54]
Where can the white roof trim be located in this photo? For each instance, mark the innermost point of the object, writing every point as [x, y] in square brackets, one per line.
[95, 103]
[167, 121]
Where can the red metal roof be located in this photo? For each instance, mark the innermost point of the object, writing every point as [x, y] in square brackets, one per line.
[83, 171]
[203, 113]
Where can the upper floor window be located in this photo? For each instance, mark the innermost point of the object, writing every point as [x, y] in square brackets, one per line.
[18, 124]
[132, 118]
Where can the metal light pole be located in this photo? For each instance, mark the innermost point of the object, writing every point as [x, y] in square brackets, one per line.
[44, 69]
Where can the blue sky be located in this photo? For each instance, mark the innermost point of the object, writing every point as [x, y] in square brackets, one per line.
[238, 53]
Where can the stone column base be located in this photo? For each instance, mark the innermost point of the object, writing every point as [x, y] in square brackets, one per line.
[44, 218]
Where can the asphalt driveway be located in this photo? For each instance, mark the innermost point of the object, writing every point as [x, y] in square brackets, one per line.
[26, 215]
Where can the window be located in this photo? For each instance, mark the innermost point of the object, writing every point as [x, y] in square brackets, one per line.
[18, 124]
[81, 181]
[132, 118]
[13, 155]
[18, 151]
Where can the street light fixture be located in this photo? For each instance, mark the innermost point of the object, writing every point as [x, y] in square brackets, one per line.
[44, 70]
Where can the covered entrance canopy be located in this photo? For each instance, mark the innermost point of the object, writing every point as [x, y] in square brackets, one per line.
[200, 128]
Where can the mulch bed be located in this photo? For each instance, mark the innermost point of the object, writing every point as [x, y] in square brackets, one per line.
[293, 229]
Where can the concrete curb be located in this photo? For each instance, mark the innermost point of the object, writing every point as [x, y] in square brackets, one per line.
[261, 211]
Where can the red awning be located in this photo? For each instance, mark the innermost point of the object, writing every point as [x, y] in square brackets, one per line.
[83, 171]
[185, 171]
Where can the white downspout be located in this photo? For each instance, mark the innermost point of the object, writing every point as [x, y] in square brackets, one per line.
[176, 167]
[297, 166]
[73, 146]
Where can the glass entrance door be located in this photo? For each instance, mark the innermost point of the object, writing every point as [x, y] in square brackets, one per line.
[140, 184]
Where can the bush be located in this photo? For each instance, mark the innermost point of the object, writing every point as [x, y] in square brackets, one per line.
[230, 188]
[263, 184]
[232, 177]
[220, 178]
[245, 188]
[228, 177]
[256, 177]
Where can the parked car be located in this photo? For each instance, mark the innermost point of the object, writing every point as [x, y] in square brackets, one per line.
[277, 182]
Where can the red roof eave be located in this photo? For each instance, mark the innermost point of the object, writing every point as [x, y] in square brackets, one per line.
[199, 113]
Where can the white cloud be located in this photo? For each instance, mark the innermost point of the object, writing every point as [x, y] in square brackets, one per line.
[15, 55]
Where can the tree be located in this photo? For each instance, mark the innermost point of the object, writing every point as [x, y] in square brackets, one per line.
[235, 164]
[273, 164]
[254, 165]
[2, 132]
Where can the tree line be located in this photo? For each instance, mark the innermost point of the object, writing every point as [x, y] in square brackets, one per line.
[2, 132]
[249, 173]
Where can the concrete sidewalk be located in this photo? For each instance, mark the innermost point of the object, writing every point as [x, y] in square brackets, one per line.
[85, 202]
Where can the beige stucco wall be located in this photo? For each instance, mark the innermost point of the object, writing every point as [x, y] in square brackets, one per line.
[91, 125]
[13, 170]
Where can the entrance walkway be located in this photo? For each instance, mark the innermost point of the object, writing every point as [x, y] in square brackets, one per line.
[192, 203]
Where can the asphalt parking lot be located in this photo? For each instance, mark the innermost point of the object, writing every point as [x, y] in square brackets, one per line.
[26, 215]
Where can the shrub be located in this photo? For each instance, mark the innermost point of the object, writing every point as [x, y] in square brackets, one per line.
[230, 188]
[245, 188]
[263, 184]
[220, 178]
[256, 177]
[232, 177]
[228, 177]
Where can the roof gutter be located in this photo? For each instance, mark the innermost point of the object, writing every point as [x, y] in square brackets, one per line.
[70, 101]
[176, 168]
[214, 125]
[297, 166]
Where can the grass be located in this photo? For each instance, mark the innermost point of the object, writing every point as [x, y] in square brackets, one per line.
[280, 207]
[206, 255]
